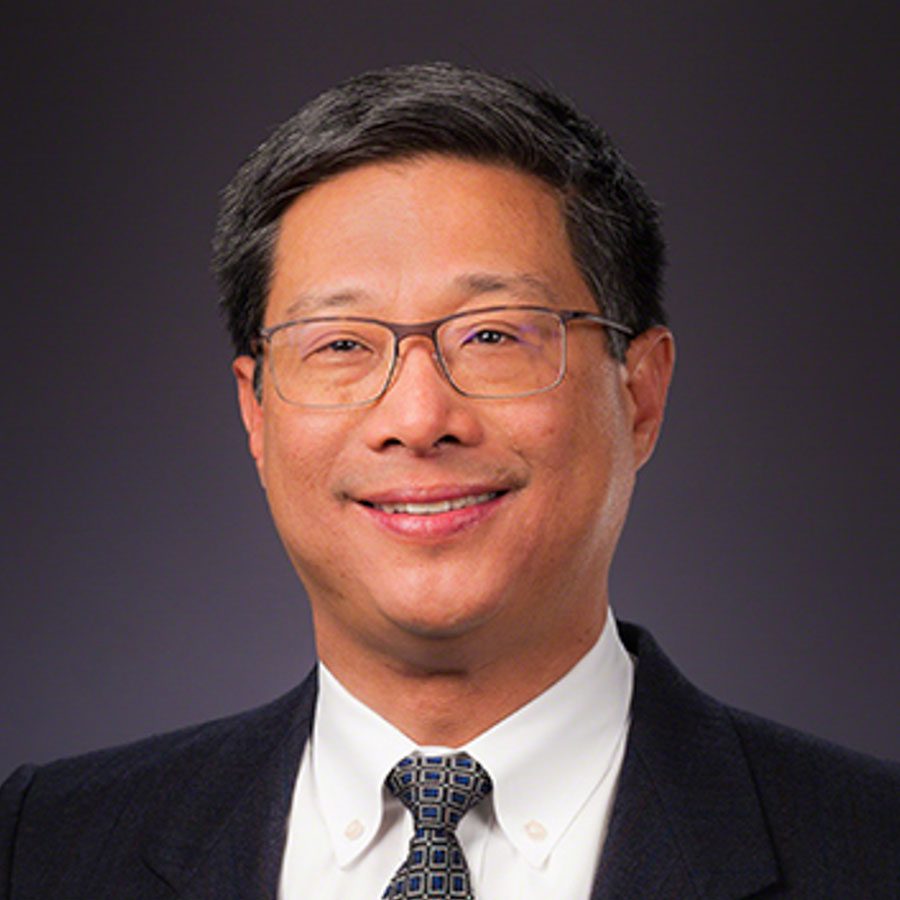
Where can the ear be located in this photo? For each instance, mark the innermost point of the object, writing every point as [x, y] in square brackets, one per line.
[251, 410]
[648, 372]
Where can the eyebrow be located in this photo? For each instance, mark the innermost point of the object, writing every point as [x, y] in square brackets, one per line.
[472, 284]
[310, 301]
[478, 283]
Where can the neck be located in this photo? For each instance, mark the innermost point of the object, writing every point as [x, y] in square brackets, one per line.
[442, 695]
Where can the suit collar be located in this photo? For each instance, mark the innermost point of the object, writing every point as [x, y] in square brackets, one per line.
[223, 835]
[686, 821]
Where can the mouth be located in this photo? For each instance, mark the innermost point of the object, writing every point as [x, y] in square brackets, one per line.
[435, 507]
[435, 514]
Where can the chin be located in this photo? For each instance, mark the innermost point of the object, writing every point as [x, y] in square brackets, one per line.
[439, 617]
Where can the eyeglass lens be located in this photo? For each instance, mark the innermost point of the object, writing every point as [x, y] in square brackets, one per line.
[346, 361]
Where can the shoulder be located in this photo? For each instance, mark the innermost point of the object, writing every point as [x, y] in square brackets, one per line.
[800, 776]
[788, 766]
[172, 755]
[50, 815]
[833, 815]
[780, 755]
[728, 781]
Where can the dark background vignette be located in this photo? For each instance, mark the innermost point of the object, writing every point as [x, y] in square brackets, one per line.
[143, 585]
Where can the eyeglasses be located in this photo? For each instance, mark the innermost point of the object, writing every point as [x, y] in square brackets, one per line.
[498, 352]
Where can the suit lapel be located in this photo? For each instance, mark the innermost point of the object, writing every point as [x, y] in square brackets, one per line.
[641, 857]
[686, 822]
[225, 835]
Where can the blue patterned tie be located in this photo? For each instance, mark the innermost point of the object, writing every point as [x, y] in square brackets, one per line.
[438, 791]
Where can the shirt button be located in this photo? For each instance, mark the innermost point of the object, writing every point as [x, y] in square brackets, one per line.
[354, 830]
[535, 830]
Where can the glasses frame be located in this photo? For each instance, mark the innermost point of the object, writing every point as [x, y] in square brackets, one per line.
[401, 331]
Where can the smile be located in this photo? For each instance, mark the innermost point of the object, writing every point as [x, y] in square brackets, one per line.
[434, 515]
[436, 507]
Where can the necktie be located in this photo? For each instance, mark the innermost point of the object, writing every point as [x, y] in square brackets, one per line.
[438, 791]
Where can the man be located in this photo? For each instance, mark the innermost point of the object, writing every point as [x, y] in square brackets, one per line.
[444, 294]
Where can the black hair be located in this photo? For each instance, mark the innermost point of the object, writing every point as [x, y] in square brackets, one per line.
[439, 108]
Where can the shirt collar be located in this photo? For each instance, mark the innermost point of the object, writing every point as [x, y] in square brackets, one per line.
[352, 750]
[545, 759]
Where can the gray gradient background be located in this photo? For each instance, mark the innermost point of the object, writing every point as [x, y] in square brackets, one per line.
[143, 586]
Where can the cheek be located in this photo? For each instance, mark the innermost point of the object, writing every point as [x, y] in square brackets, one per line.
[582, 451]
[298, 453]
[576, 434]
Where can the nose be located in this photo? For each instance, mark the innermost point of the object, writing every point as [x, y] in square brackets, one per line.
[420, 410]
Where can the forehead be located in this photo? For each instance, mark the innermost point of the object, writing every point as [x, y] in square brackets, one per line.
[422, 236]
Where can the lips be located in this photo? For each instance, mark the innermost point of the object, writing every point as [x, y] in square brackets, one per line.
[432, 514]
[433, 508]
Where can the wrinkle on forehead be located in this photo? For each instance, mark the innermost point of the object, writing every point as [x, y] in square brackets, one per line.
[469, 285]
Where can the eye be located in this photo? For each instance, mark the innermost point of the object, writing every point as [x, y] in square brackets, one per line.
[327, 345]
[332, 344]
[490, 335]
[486, 336]
[340, 345]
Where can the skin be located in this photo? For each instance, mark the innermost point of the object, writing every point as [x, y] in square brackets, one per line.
[483, 608]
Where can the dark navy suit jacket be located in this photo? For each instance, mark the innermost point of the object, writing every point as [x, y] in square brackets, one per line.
[712, 803]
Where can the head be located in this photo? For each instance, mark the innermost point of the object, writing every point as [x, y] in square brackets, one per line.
[401, 113]
[433, 529]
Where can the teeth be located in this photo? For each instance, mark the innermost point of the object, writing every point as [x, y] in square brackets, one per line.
[432, 509]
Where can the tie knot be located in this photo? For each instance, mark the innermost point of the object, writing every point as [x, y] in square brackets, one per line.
[438, 790]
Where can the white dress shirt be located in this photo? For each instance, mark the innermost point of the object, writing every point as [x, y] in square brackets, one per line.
[554, 763]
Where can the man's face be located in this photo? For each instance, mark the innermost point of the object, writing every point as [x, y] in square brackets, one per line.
[542, 482]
